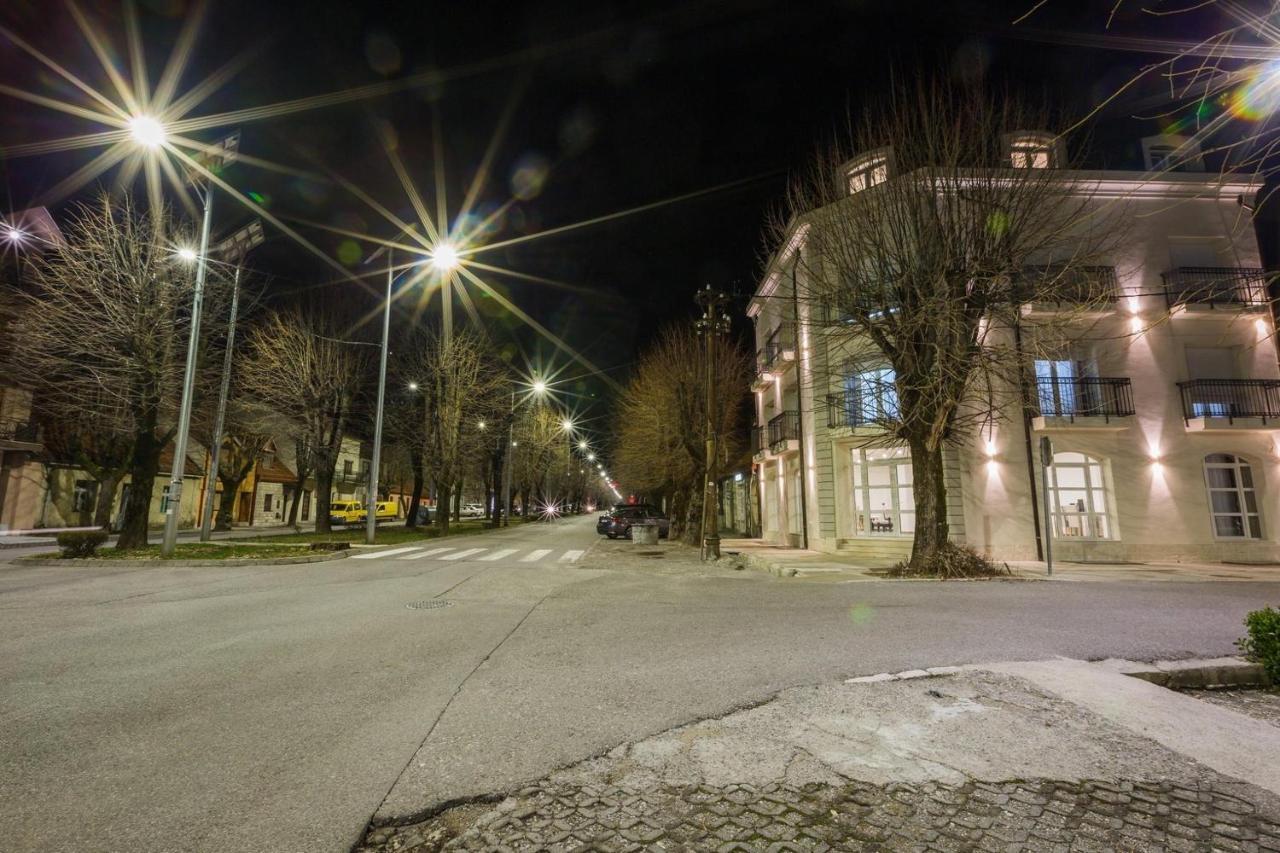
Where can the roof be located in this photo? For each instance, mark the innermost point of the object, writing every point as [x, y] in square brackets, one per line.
[275, 471]
[191, 469]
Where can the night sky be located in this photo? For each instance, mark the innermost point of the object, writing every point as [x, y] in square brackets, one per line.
[610, 106]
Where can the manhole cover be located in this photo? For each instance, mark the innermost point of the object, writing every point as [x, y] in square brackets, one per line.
[429, 604]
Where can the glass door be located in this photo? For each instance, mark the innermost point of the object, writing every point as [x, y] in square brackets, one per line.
[883, 501]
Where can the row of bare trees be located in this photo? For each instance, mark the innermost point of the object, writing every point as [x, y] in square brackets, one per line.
[103, 319]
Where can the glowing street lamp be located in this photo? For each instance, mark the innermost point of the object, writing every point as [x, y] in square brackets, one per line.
[591, 457]
[444, 257]
[582, 445]
[186, 254]
[147, 131]
[14, 235]
[539, 387]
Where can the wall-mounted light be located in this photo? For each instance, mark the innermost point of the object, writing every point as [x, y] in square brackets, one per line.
[1135, 325]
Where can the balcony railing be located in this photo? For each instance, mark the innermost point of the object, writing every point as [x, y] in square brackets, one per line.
[1215, 287]
[780, 340]
[1084, 397]
[784, 427]
[873, 407]
[1231, 398]
[1066, 285]
[17, 430]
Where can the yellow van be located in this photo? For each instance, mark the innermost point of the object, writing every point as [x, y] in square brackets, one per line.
[345, 512]
[384, 511]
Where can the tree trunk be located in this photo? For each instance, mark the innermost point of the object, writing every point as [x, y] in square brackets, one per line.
[457, 501]
[444, 494]
[226, 505]
[142, 481]
[419, 483]
[930, 494]
[324, 486]
[297, 499]
[106, 500]
[693, 518]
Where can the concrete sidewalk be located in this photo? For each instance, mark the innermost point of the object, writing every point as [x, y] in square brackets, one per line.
[48, 538]
[799, 562]
[1056, 756]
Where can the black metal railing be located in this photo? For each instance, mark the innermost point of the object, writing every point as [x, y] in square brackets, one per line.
[784, 427]
[848, 410]
[1215, 286]
[1231, 398]
[780, 340]
[1066, 285]
[12, 429]
[1085, 397]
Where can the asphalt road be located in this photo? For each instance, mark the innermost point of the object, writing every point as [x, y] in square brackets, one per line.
[278, 708]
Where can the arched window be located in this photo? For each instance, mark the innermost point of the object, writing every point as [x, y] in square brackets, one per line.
[1078, 498]
[1233, 503]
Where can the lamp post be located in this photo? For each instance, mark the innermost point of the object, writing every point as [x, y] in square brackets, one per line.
[148, 132]
[712, 323]
[443, 257]
[539, 388]
[236, 246]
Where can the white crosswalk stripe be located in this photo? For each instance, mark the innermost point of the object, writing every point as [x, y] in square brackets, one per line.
[462, 554]
[534, 556]
[424, 554]
[570, 556]
[498, 555]
[373, 555]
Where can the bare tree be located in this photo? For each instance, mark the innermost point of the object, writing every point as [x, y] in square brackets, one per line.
[105, 332]
[297, 363]
[246, 431]
[918, 236]
[661, 446]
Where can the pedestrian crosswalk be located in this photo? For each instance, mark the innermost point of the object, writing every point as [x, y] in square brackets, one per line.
[485, 555]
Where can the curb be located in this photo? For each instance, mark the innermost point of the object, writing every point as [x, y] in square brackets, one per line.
[1216, 673]
[754, 561]
[186, 564]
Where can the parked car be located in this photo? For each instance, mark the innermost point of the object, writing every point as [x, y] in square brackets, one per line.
[621, 521]
[603, 522]
[345, 512]
[385, 511]
[472, 510]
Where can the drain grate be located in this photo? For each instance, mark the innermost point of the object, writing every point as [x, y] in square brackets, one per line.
[429, 604]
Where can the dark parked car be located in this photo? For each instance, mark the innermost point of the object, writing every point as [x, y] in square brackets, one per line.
[603, 522]
[621, 520]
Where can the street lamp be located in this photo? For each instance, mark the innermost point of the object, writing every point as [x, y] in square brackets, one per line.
[444, 257]
[187, 254]
[539, 389]
[147, 131]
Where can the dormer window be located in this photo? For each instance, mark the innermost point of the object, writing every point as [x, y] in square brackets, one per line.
[866, 171]
[1169, 153]
[1034, 149]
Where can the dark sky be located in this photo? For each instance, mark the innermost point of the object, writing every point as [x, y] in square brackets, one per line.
[611, 106]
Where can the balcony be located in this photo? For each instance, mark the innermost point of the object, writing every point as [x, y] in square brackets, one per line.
[1083, 403]
[1053, 289]
[784, 432]
[19, 435]
[779, 348]
[863, 417]
[1231, 404]
[1195, 290]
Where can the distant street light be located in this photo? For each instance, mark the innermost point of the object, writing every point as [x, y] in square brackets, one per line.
[539, 390]
[539, 387]
[14, 235]
[591, 457]
[413, 386]
[186, 253]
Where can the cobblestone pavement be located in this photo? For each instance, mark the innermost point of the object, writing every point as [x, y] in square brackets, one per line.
[981, 816]
[1262, 704]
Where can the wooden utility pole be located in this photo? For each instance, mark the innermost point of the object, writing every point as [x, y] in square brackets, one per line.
[712, 323]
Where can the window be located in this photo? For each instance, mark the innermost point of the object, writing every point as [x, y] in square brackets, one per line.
[1233, 503]
[266, 503]
[1078, 498]
[883, 501]
[85, 496]
[866, 171]
[1171, 153]
[1056, 387]
[1031, 150]
[347, 467]
[871, 395]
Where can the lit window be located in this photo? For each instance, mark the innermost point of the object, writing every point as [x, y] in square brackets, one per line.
[1078, 498]
[1033, 151]
[871, 396]
[1233, 503]
[866, 171]
[883, 501]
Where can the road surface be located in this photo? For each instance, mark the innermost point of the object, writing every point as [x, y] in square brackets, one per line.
[278, 708]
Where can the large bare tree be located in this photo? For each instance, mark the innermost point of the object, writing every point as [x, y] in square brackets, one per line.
[917, 234]
[298, 363]
[660, 446]
[105, 331]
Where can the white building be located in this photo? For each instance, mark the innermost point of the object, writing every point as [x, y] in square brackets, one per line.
[1164, 416]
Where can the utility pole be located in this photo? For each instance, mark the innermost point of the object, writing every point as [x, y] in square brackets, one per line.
[711, 324]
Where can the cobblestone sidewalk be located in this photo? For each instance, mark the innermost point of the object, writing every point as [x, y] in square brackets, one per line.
[984, 816]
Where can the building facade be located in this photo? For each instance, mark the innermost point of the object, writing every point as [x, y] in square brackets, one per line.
[1163, 412]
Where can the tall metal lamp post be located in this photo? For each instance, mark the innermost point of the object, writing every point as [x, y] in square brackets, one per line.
[711, 324]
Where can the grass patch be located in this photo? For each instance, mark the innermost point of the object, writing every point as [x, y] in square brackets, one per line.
[197, 551]
[387, 534]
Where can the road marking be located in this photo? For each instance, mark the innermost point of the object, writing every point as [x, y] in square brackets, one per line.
[388, 553]
[426, 554]
[534, 556]
[570, 556]
[461, 554]
[498, 555]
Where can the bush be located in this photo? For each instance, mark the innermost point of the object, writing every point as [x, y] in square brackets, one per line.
[953, 561]
[81, 543]
[1262, 645]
